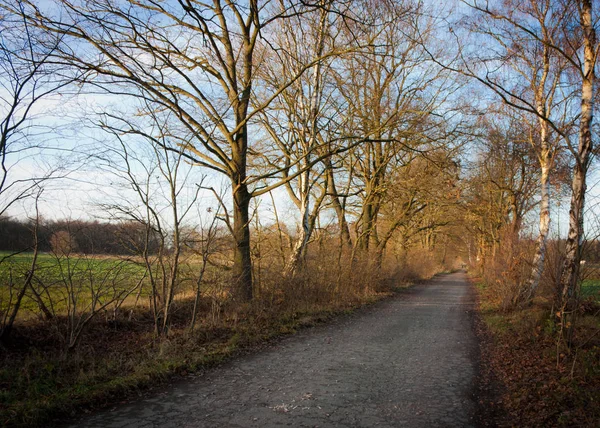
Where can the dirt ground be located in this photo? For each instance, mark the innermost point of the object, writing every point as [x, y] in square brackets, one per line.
[408, 361]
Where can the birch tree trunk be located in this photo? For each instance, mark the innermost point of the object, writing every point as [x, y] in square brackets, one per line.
[305, 228]
[307, 143]
[544, 225]
[546, 158]
[570, 271]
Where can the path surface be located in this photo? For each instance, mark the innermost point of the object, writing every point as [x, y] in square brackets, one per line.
[408, 361]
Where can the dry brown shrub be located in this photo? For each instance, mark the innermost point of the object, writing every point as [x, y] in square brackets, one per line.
[507, 272]
[326, 279]
[550, 284]
[418, 264]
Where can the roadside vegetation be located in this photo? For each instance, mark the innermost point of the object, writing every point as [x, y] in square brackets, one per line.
[118, 353]
[242, 168]
[529, 374]
[536, 369]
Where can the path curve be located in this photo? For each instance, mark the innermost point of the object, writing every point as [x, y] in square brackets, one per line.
[408, 361]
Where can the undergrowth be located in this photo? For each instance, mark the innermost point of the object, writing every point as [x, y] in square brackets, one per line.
[120, 356]
[538, 381]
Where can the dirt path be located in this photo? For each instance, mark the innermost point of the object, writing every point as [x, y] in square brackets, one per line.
[408, 361]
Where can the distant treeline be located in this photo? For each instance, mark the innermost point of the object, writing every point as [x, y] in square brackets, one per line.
[89, 237]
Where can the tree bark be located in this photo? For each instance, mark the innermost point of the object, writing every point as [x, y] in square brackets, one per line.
[308, 222]
[174, 269]
[540, 252]
[310, 136]
[570, 271]
[337, 206]
[299, 247]
[242, 261]
[368, 216]
[364, 238]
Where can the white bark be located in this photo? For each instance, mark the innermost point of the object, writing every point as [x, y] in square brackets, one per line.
[544, 226]
[307, 142]
[301, 243]
[570, 270]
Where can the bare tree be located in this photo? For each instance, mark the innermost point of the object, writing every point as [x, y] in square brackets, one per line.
[501, 185]
[524, 69]
[398, 98]
[296, 120]
[197, 60]
[540, 35]
[158, 181]
[584, 67]
[202, 246]
[27, 77]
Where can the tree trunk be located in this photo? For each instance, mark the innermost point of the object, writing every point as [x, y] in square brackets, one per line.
[570, 271]
[242, 262]
[540, 252]
[337, 206]
[174, 270]
[302, 240]
[304, 186]
[308, 222]
[517, 220]
[367, 222]
[242, 259]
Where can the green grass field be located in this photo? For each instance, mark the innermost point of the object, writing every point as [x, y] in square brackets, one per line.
[57, 279]
[591, 288]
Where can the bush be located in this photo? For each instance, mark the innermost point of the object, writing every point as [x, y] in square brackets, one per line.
[506, 272]
[63, 243]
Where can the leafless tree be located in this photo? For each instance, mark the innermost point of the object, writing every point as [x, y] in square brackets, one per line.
[296, 120]
[27, 78]
[158, 182]
[397, 97]
[584, 66]
[521, 65]
[502, 184]
[197, 60]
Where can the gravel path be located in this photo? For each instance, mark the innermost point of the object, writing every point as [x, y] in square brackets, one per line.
[408, 361]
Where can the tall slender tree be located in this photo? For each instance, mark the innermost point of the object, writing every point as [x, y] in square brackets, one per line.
[522, 67]
[584, 65]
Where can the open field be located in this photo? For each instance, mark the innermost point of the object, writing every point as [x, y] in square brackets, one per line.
[591, 288]
[62, 281]
[58, 280]
[590, 285]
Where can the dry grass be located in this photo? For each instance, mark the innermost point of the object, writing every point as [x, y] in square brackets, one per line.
[118, 353]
